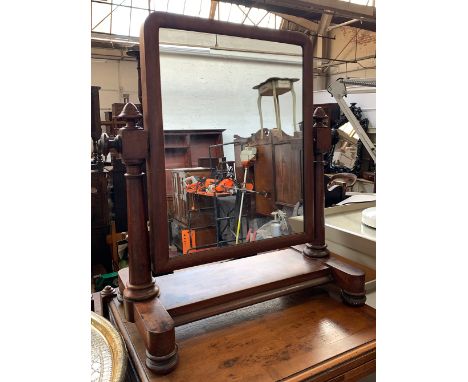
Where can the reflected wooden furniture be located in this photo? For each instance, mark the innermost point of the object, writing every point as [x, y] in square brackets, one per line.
[278, 167]
[186, 206]
[192, 215]
[279, 155]
[182, 148]
[303, 336]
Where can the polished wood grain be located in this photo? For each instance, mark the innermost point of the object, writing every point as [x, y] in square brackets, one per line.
[370, 274]
[306, 335]
[231, 277]
[134, 140]
[200, 292]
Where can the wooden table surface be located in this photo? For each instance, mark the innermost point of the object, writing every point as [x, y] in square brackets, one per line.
[304, 336]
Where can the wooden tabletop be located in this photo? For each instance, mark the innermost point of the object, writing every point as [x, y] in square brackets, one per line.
[307, 335]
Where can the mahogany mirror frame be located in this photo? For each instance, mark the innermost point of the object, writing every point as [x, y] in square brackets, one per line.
[153, 122]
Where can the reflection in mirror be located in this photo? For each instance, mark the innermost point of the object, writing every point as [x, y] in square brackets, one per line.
[233, 142]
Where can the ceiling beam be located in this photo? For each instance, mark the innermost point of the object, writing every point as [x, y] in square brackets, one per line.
[325, 21]
[340, 8]
[337, 7]
[342, 24]
[284, 24]
[214, 5]
[307, 24]
[312, 10]
[322, 47]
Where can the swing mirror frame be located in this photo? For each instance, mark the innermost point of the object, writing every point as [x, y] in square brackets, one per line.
[162, 262]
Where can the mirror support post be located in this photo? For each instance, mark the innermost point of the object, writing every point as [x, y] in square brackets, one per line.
[134, 147]
[140, 292]
[322, 144]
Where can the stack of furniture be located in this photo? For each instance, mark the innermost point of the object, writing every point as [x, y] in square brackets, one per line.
[184, 148]
[192, 216]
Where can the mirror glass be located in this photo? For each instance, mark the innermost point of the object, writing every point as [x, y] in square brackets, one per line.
[232, 111]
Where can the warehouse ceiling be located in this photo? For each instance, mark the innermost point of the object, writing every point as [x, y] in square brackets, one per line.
[117, 22]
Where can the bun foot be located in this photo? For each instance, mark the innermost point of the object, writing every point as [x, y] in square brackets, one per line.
[353, 299]
[163, 364]
[316, 252]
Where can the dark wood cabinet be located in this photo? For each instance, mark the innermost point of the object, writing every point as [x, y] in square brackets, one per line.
[277, 169]
[100, 220]
[183, 148]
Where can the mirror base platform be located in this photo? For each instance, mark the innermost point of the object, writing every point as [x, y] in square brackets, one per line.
[205, 291]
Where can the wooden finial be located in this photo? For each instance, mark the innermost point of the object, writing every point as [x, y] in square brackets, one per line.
[107, 291]
[130, 114]
[319, 115]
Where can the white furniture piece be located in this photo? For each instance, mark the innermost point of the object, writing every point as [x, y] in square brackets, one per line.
[273, 87]
[369, 217]
[338, 90]
[346, 236]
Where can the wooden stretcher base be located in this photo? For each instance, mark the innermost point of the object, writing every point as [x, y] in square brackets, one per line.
[199, 292]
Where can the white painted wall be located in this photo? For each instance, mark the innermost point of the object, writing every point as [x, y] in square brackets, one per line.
[115, 78]
[205, 92]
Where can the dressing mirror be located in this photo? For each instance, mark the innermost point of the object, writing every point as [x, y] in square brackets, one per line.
[213, 201]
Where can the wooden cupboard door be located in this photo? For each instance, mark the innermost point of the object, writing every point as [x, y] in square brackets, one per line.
[264, 179]
[288, 172]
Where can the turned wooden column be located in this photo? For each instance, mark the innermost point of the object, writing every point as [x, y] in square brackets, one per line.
[322, 144]
[134, 148]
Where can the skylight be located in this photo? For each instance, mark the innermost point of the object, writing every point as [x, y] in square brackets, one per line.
[370, 3]
[124, 17]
